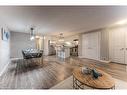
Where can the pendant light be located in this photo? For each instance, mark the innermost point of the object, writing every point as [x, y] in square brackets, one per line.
[32, 35]
[61, 37]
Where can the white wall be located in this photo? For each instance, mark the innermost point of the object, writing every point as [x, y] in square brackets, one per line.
[46, 50]
[80, 46]
[71, 38]
[4, 53]
[20, 41]
[104, 45]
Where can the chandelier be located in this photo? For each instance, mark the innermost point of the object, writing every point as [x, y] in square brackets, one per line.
[32, 34]
[61, 37]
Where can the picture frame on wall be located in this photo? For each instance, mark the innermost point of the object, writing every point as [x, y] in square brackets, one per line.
[5, 34]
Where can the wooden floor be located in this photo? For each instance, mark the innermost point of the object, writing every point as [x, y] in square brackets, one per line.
[32, 74]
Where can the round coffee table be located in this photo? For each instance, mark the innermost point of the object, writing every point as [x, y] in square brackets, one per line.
[80, 80]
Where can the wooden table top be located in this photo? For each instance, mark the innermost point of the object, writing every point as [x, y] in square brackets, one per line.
[104, 82]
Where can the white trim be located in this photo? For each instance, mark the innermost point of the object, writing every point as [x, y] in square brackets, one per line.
[80, 57]
[104, 61]
[88, 58]
[96, 59]
[99, 45]
[16, 58]
[5, 67]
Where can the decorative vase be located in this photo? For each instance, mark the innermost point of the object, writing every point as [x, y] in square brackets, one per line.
[96, 74]
[86, 70]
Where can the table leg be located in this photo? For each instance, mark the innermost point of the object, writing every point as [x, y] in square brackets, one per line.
[73, 82]
[114, 87]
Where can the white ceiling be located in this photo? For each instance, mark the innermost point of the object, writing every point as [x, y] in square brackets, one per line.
[53, 20]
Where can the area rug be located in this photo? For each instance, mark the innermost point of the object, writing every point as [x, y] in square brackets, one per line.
[68, 84]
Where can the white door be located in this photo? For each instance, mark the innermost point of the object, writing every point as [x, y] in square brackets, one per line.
[94, 45]
[90, 45]
[86, 45]
[117, 45]
[125, 47]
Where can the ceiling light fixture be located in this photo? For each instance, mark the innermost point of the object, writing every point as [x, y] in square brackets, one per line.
[32, 35]
[61, 37]
[31, 38]
[122, 22]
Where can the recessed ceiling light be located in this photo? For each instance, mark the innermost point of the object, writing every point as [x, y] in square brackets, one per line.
[122, 22]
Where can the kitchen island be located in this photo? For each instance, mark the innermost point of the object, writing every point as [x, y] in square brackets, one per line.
[63, 52]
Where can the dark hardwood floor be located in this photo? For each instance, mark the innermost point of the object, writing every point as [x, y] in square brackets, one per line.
[116, 70]
[33, 74]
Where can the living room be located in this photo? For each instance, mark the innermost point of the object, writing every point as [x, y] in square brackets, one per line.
[63, 47]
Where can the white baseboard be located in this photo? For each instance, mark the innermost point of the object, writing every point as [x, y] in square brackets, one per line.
[80, 56]
[104, 61]
[96, 59]
[16, 58]
[5, 67]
